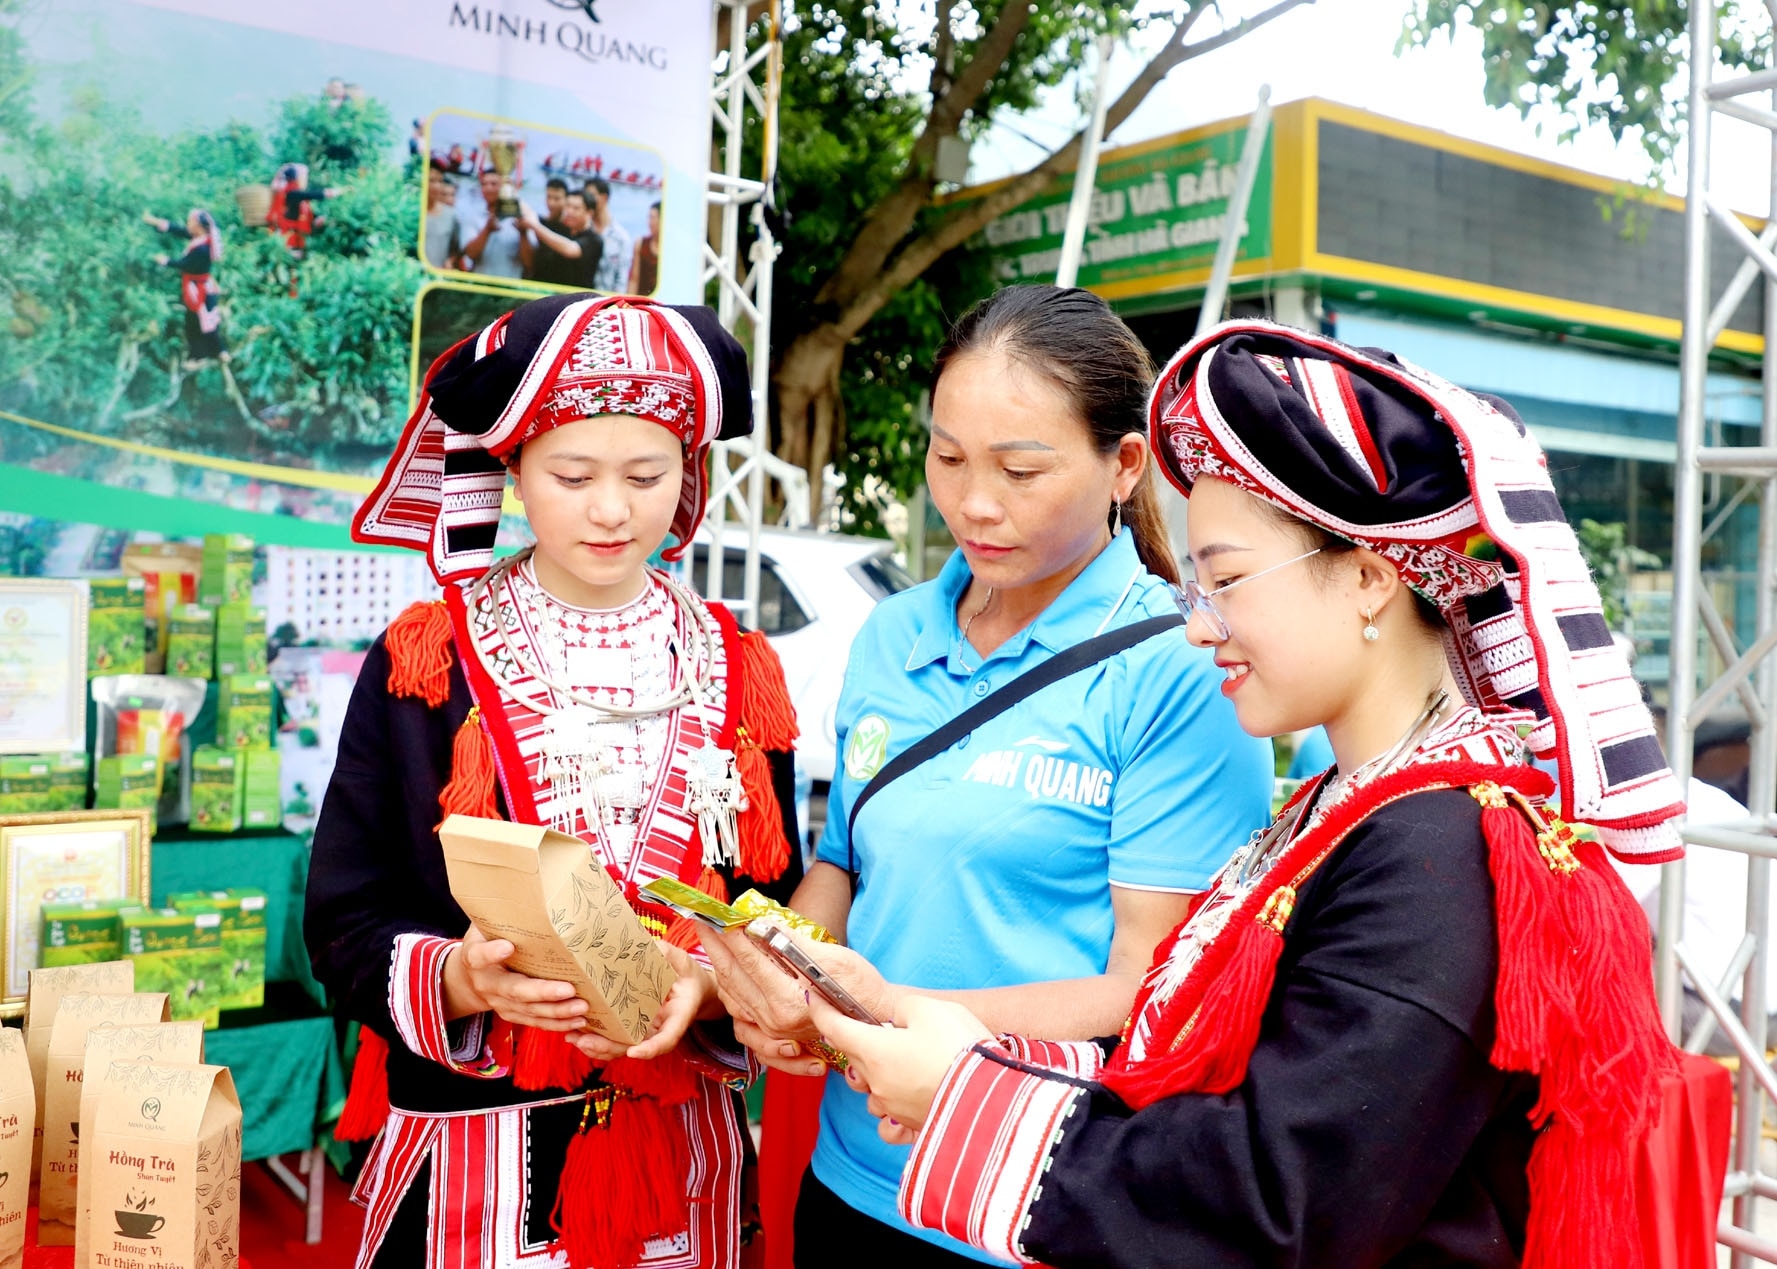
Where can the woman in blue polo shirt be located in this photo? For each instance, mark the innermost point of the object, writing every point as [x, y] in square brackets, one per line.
[1030, 869]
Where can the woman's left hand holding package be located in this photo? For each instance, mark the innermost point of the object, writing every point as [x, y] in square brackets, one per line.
[901, 1066]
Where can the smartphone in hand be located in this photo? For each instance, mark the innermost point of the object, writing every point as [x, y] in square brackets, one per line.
[783, 949]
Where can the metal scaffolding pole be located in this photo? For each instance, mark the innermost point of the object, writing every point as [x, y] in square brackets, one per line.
[1749, 671]
[748, 76]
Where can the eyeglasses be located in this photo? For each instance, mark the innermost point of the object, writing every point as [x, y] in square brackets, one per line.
[1193, 599]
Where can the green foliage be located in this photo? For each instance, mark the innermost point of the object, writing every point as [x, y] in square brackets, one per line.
[1613, 561]
[860, 70]
[319, 378]
[1619, 65]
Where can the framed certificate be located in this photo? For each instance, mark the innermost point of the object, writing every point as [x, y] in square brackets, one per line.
[61, 857]
[42, 665]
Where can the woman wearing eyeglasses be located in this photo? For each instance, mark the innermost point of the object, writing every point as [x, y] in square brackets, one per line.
[1029, 865]
[1412, 1022]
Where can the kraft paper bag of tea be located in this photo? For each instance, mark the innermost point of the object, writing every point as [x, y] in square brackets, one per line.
[165, 1154]
[545, 892]
[118, 1048]
[46, 989]
[75, 1018]
[18, 1113]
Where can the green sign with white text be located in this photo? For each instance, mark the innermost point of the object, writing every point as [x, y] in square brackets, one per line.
[1155, 212]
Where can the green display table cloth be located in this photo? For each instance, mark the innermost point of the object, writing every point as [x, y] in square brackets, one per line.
[286, 1067]
[285, 1056]
[276, 863]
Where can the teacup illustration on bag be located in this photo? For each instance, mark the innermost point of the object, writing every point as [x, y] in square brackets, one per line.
[134, 1220]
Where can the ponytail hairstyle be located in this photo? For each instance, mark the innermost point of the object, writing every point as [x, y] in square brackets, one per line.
[1071, 338]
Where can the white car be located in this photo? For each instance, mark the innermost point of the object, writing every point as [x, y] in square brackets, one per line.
[815, 590]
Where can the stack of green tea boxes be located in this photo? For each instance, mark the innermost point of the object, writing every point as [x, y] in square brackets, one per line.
[180, 953]
[234, 788]
[43, 782]
[116, 625]
[127, 780]
[243, 940]
[79, 933]
[234, 783]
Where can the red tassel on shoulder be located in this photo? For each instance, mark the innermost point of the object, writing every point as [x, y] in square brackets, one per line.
[419, 644]
[471, 787]
[764, 850]
[623, 1181]
[544, 1059]
[1212, 1055]
[367, 1100]
[765, 707]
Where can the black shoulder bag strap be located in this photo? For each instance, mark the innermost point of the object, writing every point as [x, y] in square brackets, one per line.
[1060, 666]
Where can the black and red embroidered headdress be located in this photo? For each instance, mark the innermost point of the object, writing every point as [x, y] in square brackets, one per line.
[1450, 487]
[547, 363]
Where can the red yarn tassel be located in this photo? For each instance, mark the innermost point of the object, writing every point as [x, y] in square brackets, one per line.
[1212, 1055]
[419, 642]
[367, 1100]
[1533, 995]
[764, 850]
[668, 1079]
[623, 1182]
[711, 883]
[471, 787]
[765, 708]
[544, 1059]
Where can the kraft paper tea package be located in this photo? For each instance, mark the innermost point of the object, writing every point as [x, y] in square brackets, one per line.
[43, 996]
[117, 1049]
[544, 891]
[18, 1118]
[76, 1017]
[181, 954]
[80, 933]
[165, 1155]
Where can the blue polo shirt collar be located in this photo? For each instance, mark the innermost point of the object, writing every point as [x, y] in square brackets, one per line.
[1081, 611]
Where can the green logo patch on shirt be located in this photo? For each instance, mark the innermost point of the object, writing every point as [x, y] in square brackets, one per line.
[867, 748]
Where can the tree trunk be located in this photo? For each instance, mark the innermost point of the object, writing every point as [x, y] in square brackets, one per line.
[807, 382]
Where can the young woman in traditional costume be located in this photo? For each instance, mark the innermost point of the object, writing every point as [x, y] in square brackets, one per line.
[1031, 864]
[1412, 1022]
[198, 293]
[571, 686]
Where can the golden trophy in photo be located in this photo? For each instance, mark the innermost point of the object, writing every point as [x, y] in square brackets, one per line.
[502, 150]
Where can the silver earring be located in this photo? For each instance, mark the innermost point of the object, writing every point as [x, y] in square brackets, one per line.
[1116, 516]
[1371, 634]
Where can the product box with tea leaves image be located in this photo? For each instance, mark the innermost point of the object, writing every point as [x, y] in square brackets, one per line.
[262, 797]
[116, 625]
[76, 1017]
[191, 642]
[227, 573]
[18, 1118]
[68, 774]
[43, 997]
[243, 939]
[26, 784]
[181, 954]
[128, 780]
[216, 775]
[567, 919]
[243, 712]
[114, 1050]
[165, 1154]
[80, 933]
[240, 640]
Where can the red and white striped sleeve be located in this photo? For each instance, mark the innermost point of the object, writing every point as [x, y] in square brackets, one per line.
[978, 1163]
[1081, 1058]
[416, 1003]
